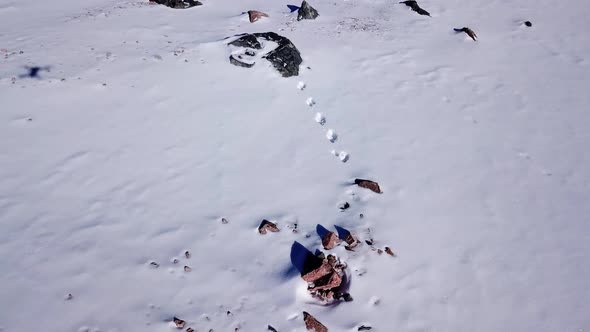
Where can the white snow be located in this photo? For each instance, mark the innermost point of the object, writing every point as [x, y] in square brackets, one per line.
[140, 137]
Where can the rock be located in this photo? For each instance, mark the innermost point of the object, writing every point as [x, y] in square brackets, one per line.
[468, 31]
[379, 251]
[247, 41]
[240, 63]
[272, 329]
[344, 206]
[224, 221]
[267, 226]
[190, 330]
[313, 324]
[364, 328]
[368, 184]
[306, 12]
[415, 7]
[389, 252]
[178, 322]
[330, 240]
[187, 268]
[255, 15]
[285, 58]
[178, 4]
[187, 254]
[322, 271]
[528, 24]
[154, 265]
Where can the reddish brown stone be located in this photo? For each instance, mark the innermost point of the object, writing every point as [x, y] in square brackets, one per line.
[267, 226]
[313, 324]
[330, 240]
[187, 269]
[389, 252]
[179, 322]
[190, 330]
[255, 15]
[322, 271]
[368, 184]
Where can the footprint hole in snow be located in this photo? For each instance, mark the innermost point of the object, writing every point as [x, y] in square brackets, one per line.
[310, 102]
[331, 136]
[301, 85]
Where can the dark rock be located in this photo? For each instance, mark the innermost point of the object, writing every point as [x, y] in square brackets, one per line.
[272, 329]
[285, 58]
[247, 41]
[178, 4]
[344, 206]
[364, 328]
[237, 62]
[415, 7]
[528, 24]
[468, 31]
[306, 12]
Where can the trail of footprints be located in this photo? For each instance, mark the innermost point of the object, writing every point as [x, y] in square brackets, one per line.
[320, 118]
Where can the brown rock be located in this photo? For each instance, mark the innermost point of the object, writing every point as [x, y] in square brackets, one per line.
[255, 15]
[389, 252]
[187, 269]
[334, 281]
[322, 271]
[179, 323]
[469, 32]
[330, 240]
[267, 226]
[190, 330]
[368, 184]
[313, 324]
[187, 254]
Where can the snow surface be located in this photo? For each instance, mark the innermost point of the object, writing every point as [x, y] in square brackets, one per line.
[141, 136]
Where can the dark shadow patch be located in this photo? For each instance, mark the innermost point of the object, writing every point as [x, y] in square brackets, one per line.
[303, 260]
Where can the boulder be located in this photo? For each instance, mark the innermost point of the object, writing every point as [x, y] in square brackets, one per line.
[285, 58]
[306, 12]
[178, 4]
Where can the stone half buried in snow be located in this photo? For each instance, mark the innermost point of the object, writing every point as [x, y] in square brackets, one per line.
[368, 184]
[178, 322]
[267, 226]
[306, 12]
[330, 240]
[255, 15]
[351, 242]
[285, 58]
[178, 4]
[313, 324]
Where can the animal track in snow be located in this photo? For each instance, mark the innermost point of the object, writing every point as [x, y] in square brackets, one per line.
[310, 102]
[320, 118]
[301, 85]
[331, 136]
[342, 155]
